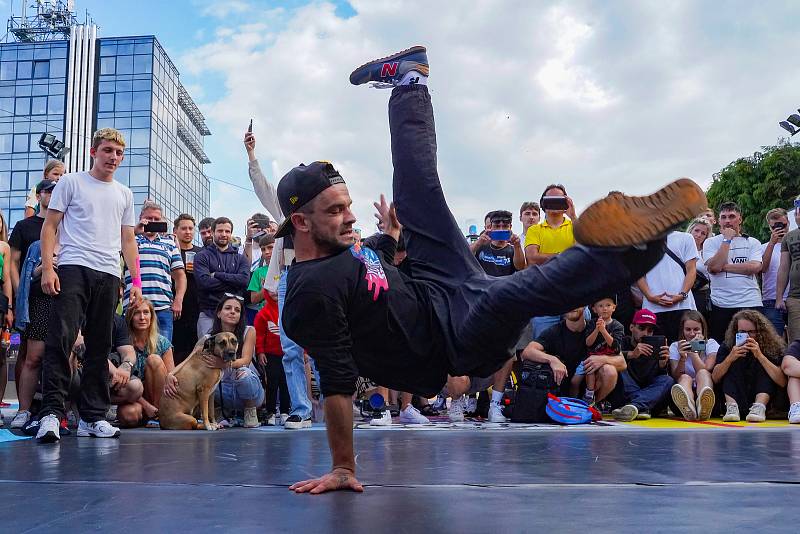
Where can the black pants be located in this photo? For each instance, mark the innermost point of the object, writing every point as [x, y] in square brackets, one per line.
[744, 380]
[87, 297]
[721, 318]
[482, 317]
[276, 381]
[669, 323]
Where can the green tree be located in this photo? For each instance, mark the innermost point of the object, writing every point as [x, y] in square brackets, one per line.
[767, 179]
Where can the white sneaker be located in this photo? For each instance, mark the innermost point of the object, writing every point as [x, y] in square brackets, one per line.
[794, 413]
[284, 417]
[684, 401]
[48, 429]
[98, 429]
[758, 413]
[251, 418]
[705, 403]
[271, 420]
[472, 405]
[496, 413]
[384, 420]
[731, 413]
[411, 416]
[456, 410]
[21, 419]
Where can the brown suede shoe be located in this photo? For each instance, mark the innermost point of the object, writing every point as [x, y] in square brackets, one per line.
[619, 220]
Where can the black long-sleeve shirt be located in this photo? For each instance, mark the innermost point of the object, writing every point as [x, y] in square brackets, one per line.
[357, 315]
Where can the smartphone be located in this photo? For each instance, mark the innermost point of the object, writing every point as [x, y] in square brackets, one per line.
[554, 203]
[155, 227]
[698, 345]
[741, 338]
[656, 342]
[250, 128]
[499, 235]
[261, 221]
[778, 226]
[797, 203]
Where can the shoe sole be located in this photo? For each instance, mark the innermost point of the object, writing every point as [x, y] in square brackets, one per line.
[84, 434]
[625, 414]
[49, 437]
[756, 419]
[424, 69]
[705, 402]
[620, 220]
[681, 399]
[297, 426]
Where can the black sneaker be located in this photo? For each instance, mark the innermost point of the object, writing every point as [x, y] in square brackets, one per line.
[643, 414]
[390, 70]
[295, 423]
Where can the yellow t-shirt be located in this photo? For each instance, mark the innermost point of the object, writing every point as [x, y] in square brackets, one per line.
[550, 240]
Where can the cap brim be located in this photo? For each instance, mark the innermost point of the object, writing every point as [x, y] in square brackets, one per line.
[285, 228]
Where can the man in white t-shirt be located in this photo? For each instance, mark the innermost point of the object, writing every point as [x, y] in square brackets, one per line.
[94, 218]
[668, 286]
[778, 222]
[733, 261]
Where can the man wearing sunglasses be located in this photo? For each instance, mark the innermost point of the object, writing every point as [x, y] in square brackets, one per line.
[359, 315]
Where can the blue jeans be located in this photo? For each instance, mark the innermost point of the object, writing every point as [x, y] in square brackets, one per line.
[165, 323]
[776, 317]
[293, 364]
[540, 324]
[650, 397]
[238, 386]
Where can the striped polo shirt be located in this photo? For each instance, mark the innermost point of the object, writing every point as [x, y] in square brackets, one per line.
[157, 259]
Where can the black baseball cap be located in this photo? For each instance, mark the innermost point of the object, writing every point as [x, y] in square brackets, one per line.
[45, 185]
[300, 186]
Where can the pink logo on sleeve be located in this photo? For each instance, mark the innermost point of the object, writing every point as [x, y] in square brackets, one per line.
[376, 278]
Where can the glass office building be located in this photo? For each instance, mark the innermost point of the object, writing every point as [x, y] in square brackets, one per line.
[70, 88]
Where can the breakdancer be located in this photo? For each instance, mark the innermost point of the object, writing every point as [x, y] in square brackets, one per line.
[359, 316]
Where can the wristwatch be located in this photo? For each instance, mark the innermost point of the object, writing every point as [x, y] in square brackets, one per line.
[129, 364]
[684, 294]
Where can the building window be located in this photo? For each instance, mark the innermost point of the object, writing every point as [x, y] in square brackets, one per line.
[24, 70]
[39, 105]
[107, 65]
[124, 64]
[55, 104]
[105, 102]
[143, 64]
[22, 106]
[58, 68]
[41, 69]
[8, 70]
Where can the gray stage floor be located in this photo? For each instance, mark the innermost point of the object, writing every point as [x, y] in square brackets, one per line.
[490, 481]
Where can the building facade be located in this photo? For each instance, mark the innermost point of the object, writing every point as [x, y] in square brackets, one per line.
[71, 88]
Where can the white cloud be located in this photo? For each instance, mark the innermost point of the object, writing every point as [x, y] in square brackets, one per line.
[598, 95]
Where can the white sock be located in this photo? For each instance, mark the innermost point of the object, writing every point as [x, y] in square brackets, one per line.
[589, 394]
[413, 77]
[497, 396]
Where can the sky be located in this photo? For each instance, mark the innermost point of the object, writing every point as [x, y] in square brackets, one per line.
[596, 95]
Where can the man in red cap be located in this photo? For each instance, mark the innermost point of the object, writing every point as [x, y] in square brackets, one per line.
[646, 380]
[360, 316]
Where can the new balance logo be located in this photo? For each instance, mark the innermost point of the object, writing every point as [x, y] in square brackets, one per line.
[389, 69]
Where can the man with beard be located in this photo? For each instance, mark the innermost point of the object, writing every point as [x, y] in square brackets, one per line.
[359, 315]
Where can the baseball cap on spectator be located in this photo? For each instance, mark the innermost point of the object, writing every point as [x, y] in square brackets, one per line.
[300, 186]
[644, 316]
[45, 185]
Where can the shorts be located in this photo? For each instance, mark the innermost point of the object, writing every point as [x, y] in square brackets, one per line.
[39, 313]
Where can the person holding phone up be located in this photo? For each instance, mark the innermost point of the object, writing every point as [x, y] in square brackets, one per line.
[161, 263]
[691, 360]
[498, 249]
[748, 366]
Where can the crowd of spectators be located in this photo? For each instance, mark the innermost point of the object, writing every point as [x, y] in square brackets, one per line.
[711, 329]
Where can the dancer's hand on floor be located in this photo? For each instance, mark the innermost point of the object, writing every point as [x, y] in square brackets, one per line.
[338, 479]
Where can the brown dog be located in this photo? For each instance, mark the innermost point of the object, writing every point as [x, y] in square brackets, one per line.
[196, 383]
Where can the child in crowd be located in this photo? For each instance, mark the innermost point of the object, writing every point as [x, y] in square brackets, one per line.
[266, 243]
[603, 337]
[270, 358]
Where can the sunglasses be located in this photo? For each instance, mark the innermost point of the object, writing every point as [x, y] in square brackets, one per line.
[232, 296]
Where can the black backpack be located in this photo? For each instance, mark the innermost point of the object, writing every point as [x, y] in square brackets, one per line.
[530, 401]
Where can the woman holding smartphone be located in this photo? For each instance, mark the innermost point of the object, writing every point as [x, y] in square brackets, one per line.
[748, 366]
[691, 360]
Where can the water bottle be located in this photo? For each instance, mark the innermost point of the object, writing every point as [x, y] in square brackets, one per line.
[13, 347]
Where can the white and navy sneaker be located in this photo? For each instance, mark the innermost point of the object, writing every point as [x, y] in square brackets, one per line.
[294, 422]
[21, 419]
[411, 416]
[384, 420]
[98, 429]
[48, 429]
